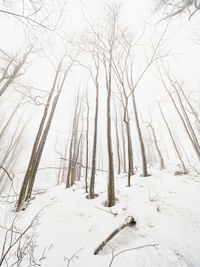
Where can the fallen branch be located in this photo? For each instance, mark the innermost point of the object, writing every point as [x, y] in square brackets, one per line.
[129, 222]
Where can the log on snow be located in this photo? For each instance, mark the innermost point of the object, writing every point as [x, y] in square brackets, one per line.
[129, 222]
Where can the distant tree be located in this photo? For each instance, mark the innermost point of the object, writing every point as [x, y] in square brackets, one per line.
[73, 141]
[162, 166]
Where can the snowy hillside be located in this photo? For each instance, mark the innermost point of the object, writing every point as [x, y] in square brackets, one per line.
[167, 230]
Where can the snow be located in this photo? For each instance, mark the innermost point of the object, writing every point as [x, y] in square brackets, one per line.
[165, 207]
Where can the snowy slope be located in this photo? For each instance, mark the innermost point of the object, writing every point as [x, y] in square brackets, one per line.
[165, 207]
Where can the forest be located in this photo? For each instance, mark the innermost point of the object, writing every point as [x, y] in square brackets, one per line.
[99, 133]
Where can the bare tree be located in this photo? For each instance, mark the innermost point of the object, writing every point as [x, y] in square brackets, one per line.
[111, 32]
[120, 70]
[102, 42]
[40, 139]
[187, 125]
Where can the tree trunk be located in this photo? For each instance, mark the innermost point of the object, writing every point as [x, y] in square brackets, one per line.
[111, 185]
[162, 166]
[92, 179]
[69, 171]
[173, 141]
[117, 141]
[144, 161]
[130, 153]
[191, 107]
[43, 141]
[193, 135]
[87, 147]
[124, 145]
[193, 142]
[35, 150]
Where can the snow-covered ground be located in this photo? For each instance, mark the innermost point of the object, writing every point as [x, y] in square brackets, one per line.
[165, 207]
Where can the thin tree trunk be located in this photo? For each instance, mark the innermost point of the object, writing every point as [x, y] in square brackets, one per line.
[173, 141]
[193, 142]
[75, 147]
[144, 162]
[162, 166]
[124, 145]
[87, 146]
[69, 171]
[117, 141]
[189, 104]
[111, 185]
[94, 156]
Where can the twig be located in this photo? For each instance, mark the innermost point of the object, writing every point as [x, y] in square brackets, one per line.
[127, 250]
[71, 258]
[113, 213]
